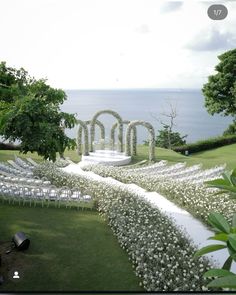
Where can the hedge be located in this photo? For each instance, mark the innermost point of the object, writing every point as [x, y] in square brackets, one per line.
[208, 144]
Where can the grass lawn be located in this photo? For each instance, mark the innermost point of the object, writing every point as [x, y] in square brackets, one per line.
[70, 251]
[221, 155]
[211, 158]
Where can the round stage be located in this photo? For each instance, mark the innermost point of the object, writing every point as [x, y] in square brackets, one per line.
[107, 157]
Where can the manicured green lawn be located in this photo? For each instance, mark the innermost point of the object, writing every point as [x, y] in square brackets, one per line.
[218, 156]
[70, 251]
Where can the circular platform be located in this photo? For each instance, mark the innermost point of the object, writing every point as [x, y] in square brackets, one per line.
[107, 157]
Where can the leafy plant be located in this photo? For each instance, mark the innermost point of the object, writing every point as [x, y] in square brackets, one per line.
[225, 233]
[226, 185]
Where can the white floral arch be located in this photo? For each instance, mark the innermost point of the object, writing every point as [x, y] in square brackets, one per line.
[120, 125]
[82, 127]
[151, 131]
[133, 137]
[102, 135]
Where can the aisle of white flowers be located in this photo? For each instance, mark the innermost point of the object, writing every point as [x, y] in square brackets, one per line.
[161, 254]
[193, 228]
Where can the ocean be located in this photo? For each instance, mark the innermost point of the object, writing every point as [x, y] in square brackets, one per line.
[147, 104]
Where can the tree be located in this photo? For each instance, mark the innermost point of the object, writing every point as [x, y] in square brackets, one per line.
[231, 129]
[167, 138]
[220, 90]
[30, 112]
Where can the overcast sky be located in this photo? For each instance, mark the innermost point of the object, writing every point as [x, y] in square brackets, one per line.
[91, 44]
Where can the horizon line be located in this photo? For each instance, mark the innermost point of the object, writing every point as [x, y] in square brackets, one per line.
[132, 88]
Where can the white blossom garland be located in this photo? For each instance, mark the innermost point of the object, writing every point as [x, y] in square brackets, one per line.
[102, 135]
[120, 126]
[133, 137]
[151, 131]
[84, 128]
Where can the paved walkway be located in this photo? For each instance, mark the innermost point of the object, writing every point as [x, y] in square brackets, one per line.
[193, 228]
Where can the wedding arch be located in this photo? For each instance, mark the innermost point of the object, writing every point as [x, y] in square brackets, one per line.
[102, 135]
[151, 132]
[82, 127]
[133, 137]
[120, 127]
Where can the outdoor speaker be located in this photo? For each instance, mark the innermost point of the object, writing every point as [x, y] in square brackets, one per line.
[20, 241]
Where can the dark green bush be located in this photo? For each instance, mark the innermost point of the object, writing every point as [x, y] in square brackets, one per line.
[208, 144]
[231, 129]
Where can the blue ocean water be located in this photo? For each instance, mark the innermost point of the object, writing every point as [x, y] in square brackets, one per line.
[192, 117]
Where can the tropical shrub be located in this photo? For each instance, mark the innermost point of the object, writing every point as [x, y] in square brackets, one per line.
[225, 233]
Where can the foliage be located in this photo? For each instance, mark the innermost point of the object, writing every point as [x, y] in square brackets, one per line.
[30, 113]
[13, 83]
[159, 251]
[208, 144]
[220, 90]
[231, 130]
[226, 234]
[168, 139]
[226, 185]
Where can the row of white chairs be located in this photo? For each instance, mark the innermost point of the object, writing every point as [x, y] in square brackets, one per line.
[160, 164]
[164, 170]
[24, 180]
[23, 164]
[205, 175]
[181, 172]
[44, 195]
[10, 170]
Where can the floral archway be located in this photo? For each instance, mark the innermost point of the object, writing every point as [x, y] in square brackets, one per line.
[82, 127]
[133, 137]
[102, 135]
[120, 126]
[151, 132]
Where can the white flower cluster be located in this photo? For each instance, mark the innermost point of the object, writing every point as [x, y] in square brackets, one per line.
[61, 163]
[184, 187]
[161, 255]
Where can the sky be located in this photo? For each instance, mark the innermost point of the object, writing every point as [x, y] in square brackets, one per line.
[115, 44]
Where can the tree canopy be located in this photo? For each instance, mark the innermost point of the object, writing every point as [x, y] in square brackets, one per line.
[220, 90]
[30, 112]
